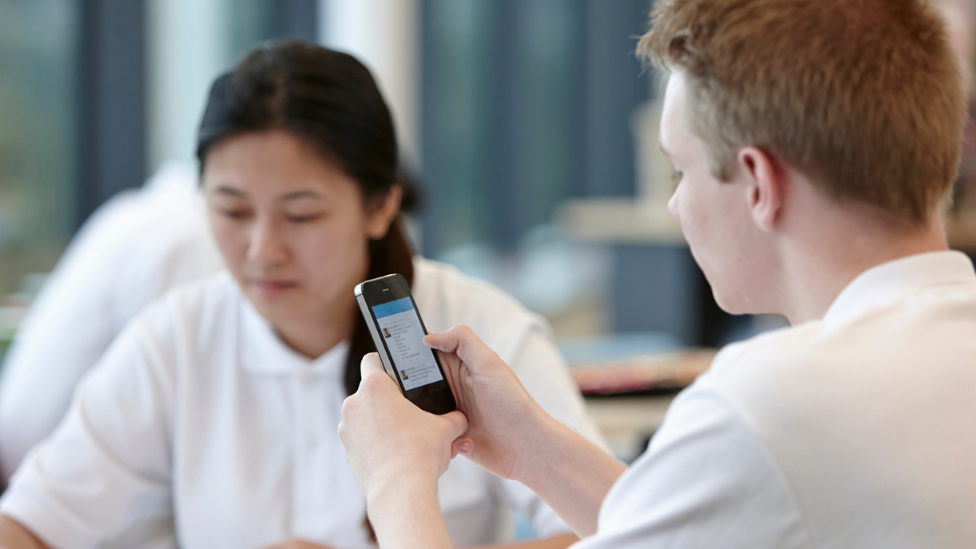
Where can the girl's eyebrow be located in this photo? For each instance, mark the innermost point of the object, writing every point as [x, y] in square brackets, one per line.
[223, 189]
[299, 194]
[231, 191]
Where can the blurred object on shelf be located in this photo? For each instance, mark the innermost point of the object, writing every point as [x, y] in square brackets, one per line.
[653, 169]
[657, 373]
[964, 193]
[643, 219]
[961, 231]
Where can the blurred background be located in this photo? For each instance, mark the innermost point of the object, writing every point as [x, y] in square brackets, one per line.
[517, 117]
[529, 125]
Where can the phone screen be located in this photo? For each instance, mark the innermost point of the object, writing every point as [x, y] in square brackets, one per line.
[400, 327]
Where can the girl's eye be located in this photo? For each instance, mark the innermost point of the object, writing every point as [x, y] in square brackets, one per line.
[235, 214]
[304, 218]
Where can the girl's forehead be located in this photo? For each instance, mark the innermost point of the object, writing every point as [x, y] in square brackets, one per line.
[276, 165]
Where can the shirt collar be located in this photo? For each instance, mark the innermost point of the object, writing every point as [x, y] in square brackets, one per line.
[912, 272]
[262, 351]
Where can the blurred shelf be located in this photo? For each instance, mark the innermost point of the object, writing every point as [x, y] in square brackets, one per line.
[626, 221]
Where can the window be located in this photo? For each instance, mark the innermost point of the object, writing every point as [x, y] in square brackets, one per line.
[38, 116]
[525, 103]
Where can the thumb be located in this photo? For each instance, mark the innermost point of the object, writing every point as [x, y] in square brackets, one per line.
[458, 423]
[462, 341]
[444, 341]
[371, 365]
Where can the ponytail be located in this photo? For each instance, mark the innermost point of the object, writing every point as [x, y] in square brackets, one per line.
[388, 255]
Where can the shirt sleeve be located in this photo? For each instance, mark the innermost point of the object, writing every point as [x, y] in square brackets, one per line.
[706, 481]
[546, 377]
[105, 472]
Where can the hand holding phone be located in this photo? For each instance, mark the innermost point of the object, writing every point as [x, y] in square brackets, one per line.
[398, 333]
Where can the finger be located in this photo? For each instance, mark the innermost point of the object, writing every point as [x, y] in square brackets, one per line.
[461, 445]
[458, 424]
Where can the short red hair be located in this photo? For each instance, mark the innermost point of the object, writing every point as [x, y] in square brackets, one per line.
[865, 95]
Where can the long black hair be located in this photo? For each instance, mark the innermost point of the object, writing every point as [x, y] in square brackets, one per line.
[330, 100]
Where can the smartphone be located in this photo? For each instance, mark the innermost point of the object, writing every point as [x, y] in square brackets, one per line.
[398, 332]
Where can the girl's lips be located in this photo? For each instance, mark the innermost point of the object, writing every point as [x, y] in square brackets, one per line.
[273, 288]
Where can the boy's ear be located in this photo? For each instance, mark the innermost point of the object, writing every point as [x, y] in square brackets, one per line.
[766, 191]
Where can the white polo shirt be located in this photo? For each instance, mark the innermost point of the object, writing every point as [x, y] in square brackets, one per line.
[133, 249]
[199, 421]
[856, 431]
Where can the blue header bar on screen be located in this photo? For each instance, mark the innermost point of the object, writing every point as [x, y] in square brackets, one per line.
[392, 308]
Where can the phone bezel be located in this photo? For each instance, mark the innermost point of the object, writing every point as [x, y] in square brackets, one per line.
[435, 397]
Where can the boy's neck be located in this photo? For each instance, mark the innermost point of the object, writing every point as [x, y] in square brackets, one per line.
[820, 264]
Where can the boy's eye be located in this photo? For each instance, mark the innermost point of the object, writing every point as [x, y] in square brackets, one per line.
[676, 176]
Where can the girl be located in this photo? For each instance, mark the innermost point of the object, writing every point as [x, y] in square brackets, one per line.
[211, 421]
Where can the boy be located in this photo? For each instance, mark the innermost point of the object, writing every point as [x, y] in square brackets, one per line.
[815, 144]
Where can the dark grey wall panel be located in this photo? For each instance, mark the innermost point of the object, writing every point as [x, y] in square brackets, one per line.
[112, 101]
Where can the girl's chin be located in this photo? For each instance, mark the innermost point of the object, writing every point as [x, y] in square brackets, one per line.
[278, 310]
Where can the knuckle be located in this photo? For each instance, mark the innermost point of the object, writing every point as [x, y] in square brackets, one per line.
[370, 384]
[348, 405]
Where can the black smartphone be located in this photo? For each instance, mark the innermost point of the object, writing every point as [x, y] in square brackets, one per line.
[398, 332]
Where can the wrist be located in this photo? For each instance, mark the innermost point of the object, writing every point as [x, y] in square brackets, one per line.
[400, 485]
[405, 513]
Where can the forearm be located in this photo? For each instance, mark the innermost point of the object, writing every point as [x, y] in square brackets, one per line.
[571, 474]
[13, 535]
[406, 514]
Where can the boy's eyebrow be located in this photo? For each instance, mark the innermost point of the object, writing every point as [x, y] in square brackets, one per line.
[663, 150]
